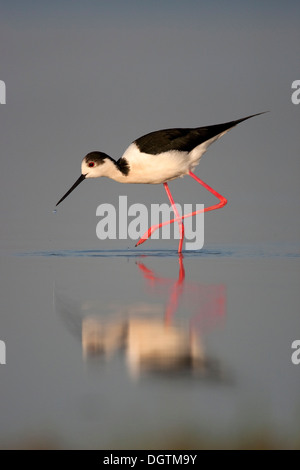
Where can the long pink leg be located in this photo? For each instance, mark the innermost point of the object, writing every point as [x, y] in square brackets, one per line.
[178, 217]
[222, 202]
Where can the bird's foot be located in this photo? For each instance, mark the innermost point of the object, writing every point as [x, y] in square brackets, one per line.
[141, 240]
[147, 234]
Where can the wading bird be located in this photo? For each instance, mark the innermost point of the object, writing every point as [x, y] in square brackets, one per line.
[159, 157]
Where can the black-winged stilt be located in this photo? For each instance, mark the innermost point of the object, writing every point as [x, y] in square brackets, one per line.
[159, 157]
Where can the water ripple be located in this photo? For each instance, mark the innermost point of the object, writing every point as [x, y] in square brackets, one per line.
[216, 251]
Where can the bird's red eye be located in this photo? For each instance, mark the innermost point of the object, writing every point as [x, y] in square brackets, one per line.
[91, 164]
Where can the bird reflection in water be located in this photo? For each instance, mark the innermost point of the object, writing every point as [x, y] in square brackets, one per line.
[150, 336]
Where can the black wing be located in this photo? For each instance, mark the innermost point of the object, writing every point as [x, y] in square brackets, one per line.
[184, 139]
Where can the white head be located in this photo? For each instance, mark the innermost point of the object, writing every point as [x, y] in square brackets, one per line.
[96, 164]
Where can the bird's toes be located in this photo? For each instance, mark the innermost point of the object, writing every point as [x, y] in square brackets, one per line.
[147, 234]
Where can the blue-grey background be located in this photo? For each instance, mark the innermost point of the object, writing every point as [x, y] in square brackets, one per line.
[96, 75]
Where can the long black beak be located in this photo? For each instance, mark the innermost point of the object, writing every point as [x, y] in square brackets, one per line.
[81, 178]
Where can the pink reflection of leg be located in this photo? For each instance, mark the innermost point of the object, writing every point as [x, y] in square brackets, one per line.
[175, 294]
[176, 287]
[222, 203]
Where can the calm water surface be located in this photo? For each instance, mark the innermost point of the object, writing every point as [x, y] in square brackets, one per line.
[146, 349]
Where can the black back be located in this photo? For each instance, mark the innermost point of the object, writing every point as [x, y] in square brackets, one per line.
[182, 139]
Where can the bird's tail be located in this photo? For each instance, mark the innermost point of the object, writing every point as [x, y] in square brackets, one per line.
[211, 134]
